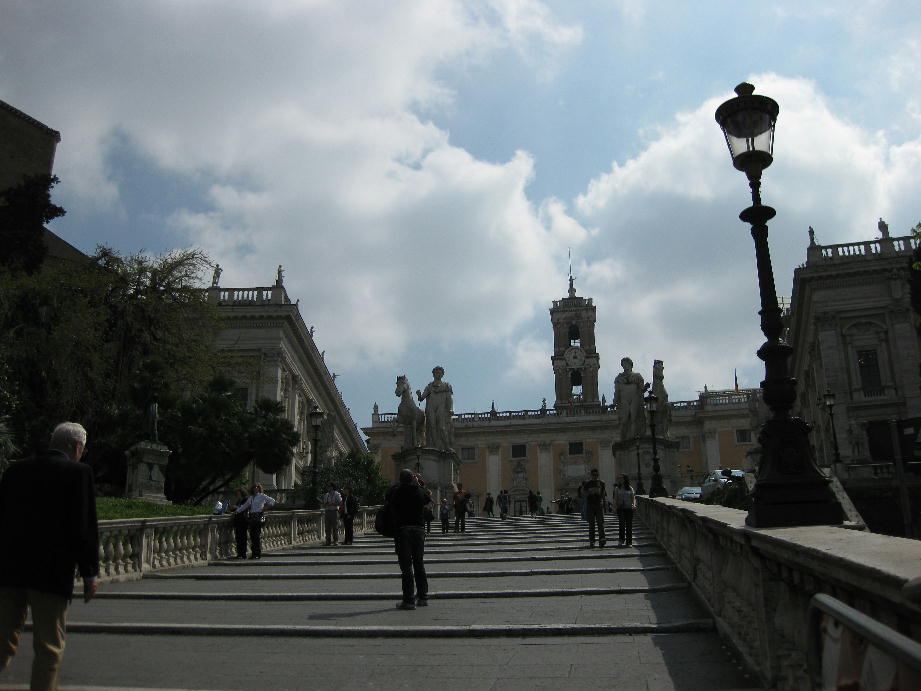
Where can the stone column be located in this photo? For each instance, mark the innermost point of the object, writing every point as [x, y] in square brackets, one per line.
[545, 472]
[606, 469]
[711, 449]
[493, 471]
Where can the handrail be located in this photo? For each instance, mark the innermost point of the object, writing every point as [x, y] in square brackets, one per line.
[880, 636]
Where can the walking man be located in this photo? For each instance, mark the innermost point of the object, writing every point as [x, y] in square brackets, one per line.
[408, 500]
[48, 530]
[593, 490]
[350, 510]
[331, 502]
[488, 506]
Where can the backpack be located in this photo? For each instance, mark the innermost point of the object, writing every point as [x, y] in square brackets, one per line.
[385, 521]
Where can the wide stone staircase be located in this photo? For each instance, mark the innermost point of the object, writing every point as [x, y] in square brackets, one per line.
[521, 603]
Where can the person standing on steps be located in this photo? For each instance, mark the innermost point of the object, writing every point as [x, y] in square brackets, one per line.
[625, 503]
[428, 512]
[331, 502]
[488, 506]
[461, 498]
[445, 516]
[503, 502]
[255, 504]
[240, 522]
[594, 493]
[408, 501]
[349, 511]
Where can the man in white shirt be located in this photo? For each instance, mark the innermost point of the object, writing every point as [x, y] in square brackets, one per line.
[255, 503]
[331, 502]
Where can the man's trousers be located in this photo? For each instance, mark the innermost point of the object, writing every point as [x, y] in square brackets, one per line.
[49, 614]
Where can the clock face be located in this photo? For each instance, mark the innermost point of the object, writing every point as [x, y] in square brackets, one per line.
[575, 357]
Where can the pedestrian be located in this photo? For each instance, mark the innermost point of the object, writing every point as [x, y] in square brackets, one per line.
[503, 502]
[48, 530]
[408, 500]
[239, 521]
[428, 511]
[625, 503]
[445, 516]
[218, 508]
[594, 492]
[350, 507]
[539, 500]
[331, 502]
[532, 503]
[256, 504]
[488, 506]
[461, 498]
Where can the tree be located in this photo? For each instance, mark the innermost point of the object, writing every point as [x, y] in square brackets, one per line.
[213, 438]
[24, 211]
[360, 472]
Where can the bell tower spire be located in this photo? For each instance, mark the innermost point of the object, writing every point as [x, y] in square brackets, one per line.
[575, 360]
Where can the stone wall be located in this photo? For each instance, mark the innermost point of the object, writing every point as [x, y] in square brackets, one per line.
[132, 547]
[757, 582]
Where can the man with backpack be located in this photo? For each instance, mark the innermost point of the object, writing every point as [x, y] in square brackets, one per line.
[594, 494]
[408, 501]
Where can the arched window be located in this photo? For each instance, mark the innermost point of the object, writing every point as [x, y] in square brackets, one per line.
[575, 339]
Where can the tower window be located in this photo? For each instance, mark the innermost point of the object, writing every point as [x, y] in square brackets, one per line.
[868, 368]
[575, 378]
[575, 338]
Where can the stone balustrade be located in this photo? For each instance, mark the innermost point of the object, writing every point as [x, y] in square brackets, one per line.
[758, 582]
[855, 251]
[132, 547]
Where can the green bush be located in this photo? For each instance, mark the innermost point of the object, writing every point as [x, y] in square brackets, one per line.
[108, 508]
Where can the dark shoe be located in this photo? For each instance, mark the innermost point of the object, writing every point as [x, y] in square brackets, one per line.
[405, 605]
[602, 543]
[422, 602]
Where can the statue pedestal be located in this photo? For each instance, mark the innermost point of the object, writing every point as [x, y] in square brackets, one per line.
[146, 463]
[439, 469]
[625, 462]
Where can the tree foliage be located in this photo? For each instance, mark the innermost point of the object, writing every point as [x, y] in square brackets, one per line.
[24, 211]
[360, 472]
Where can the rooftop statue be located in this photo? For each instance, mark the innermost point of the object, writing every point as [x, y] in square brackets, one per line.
[883, 228]
[628, 399]
[409, 415]
[664, 414]
[216, 276]
[439, 408]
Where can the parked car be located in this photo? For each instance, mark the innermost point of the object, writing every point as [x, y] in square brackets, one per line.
[688, 493]
[717, 478]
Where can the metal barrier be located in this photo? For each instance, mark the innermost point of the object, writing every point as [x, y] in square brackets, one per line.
[849, 650]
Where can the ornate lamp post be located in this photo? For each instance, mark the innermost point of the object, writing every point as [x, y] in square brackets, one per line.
[829, 399]
[656, 488]
[639, 471]
[316, 420]
[790, 489]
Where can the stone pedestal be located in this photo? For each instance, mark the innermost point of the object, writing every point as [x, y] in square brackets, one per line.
[439, 469]
[146, 463]
[625, 461]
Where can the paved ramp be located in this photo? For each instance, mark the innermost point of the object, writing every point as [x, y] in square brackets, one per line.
[521, 603]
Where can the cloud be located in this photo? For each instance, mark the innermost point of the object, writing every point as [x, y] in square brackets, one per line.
[685, 290]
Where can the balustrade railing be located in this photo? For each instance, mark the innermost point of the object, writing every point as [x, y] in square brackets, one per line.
[132, 547]
[868, 249]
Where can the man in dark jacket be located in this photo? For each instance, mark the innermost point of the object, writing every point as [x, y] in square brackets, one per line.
[408, 500]
[47, 529]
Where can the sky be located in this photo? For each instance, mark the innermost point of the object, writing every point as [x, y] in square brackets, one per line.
[423, 170]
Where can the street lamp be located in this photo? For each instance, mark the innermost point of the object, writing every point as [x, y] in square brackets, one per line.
[316, 420]
[639, 472]
[790, 489]
[829, 399]
[656, 489]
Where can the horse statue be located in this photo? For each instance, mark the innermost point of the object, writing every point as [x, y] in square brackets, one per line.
[409, 415]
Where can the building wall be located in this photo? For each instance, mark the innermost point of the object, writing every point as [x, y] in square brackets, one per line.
[27, 146]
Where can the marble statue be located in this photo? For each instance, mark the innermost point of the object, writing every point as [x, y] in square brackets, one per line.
[664, 414]
[409, 415]
[280, 276]
[439, 408]
[216, 276]
[883, 228]
[811, 236]
[628, 399]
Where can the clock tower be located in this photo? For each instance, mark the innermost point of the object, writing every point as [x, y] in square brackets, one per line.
[574, 360]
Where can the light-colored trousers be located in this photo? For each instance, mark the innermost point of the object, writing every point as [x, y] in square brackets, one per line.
[49, 614]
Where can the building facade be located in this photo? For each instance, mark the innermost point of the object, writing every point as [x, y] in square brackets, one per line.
[552, 449]
[271, 354]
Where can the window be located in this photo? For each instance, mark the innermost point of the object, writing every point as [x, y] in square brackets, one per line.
[575, 339]
[468, 453]
[575, 378]
[576, 448]
[743, 436]
[684, 443]
[519, 450]
[868, 369]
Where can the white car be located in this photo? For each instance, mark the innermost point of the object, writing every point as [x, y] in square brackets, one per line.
[688, 493]
[716, 478]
